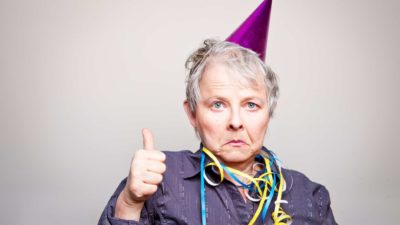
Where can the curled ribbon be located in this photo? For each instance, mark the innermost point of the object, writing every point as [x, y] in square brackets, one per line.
[264, 185]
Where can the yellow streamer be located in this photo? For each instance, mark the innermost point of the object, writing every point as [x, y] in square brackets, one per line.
[278, 215]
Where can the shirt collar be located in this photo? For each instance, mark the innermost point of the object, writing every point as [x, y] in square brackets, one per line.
[193, 167]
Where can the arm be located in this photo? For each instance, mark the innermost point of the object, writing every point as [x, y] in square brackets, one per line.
[127, 210]
[145, 174]
[321, 197]
[108, 216]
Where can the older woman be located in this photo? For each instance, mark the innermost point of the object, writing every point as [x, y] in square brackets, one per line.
[232, 178]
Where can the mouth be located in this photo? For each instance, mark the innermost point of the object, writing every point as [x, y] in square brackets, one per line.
[236, 143]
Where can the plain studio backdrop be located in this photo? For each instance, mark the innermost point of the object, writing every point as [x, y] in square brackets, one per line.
[79, 79]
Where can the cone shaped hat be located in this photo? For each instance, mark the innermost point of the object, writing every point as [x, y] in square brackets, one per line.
[253, 32]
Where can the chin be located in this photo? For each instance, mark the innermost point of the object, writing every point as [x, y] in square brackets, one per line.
[236, 155]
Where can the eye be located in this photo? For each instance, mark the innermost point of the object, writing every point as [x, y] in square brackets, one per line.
[252, 105]
[217, 105]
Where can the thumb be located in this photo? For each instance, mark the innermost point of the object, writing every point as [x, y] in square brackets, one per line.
[148, 140]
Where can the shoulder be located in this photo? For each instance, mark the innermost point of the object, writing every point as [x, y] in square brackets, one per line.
[298, 182]
[308, 200]
[173, 154]
[183, 162]
[178, 157]
[296, 179]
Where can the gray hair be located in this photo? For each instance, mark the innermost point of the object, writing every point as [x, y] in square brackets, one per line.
[236, 58]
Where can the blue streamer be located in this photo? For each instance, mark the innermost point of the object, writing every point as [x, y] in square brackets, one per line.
[269, 199]
[250, 187]
[202, 191]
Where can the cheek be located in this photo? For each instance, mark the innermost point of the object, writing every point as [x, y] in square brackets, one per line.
[212, 121]
[257, 126]
[212, 124]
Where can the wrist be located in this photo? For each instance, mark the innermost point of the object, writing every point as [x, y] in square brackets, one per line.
[127, 209]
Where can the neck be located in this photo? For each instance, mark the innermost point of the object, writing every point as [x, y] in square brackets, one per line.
[245, 167]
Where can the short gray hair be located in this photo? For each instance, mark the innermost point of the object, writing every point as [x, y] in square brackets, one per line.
[242, 60]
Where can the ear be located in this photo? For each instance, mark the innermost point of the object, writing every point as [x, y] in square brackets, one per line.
[191, 116]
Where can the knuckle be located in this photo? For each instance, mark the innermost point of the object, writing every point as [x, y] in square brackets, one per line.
[138, 194]
[152, 189]
[163, 167]
[162, 156]
[132, 187]
[160, 178]
[136, 190]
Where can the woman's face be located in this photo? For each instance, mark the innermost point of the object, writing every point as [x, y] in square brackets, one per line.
[231, 118]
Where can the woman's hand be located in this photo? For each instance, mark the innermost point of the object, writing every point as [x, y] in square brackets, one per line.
[145, 174]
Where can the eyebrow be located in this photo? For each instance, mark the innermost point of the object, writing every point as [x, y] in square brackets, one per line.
[227, 100]
[216, 97]
[254, 98]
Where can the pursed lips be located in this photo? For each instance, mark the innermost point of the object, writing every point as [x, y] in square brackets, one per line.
[236, 142]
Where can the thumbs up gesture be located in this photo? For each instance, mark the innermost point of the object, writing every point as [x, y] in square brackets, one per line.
[145, 174]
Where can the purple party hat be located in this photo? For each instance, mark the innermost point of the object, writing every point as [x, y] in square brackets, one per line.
[253, 32]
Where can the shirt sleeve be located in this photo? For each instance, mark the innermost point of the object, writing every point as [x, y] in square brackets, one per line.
[321, 197]
[107, 217]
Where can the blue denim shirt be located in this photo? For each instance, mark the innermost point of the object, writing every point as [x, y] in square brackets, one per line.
[177, 200]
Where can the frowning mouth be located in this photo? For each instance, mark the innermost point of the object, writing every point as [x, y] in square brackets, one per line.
[236, 143]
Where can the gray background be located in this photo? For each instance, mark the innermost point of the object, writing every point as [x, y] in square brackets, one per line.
[79, 79]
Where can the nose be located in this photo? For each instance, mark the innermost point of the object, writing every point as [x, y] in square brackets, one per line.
[235, 122]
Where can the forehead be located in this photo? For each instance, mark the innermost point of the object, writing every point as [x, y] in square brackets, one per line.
[219, 77]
